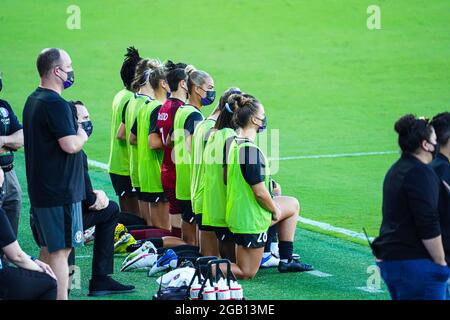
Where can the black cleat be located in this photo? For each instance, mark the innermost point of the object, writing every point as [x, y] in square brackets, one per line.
[294, 266]
[107, 286]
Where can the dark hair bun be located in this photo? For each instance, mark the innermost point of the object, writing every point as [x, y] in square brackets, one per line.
[132, 53]
[169, 65]
[412, 132]
[239, 100]
[405, 124]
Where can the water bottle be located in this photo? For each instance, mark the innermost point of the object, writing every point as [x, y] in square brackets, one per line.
[209, 292]
[195, 290]
[223, 291]
[236, 292]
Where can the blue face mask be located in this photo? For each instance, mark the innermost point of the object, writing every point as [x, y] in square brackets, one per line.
[88, 127]
[209, 99]
[70, 79]
[263, 125]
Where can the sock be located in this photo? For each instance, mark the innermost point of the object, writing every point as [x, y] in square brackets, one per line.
[286, 250]
[273, 246]
[271, 237]
[157, 242]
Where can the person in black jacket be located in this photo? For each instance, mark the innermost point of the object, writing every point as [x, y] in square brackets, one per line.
[409, 249]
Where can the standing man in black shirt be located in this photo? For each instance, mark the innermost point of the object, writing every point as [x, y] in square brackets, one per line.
[11, 139]
[409, 249]
[54, 164]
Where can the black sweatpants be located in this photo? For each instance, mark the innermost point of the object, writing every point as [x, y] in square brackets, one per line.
[105, 222]
[21, 284]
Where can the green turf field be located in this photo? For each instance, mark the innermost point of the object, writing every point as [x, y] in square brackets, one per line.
[328, 83]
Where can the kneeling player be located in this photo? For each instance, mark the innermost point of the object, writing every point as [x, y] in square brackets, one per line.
[251, 210]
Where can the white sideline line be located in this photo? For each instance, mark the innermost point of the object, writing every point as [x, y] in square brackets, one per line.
[98, 164]
[104, 166]
[337, 155]
[329, 227]
[319, 274]
[82, 257]
[370, 290]
[318, 224]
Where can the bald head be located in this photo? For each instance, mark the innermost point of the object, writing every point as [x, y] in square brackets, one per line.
[49, 58]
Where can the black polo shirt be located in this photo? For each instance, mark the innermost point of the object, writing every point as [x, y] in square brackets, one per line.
[441, 166]
[9, 124]
[54, 177]
[410, 211]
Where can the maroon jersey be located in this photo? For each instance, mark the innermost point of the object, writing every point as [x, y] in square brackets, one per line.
[164, 125]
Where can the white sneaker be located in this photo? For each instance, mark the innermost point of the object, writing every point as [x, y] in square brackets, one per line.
[269, 261]
[144, 260]
[167, 260]
[143, 257]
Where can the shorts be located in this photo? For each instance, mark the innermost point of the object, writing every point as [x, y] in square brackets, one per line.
[198, 220]
[187, 214]
[58, 228]
[224, 234]
[174, 204]
[253, 241]
[152, 197]
[122, 185]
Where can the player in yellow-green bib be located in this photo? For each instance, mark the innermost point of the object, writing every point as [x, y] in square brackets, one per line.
[119, 165]
[208, 240]
[213, 187]
[129, 115]
[200, 88]
[151, 80]
[251, 208]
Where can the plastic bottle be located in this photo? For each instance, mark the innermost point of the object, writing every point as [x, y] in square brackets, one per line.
[195, 290]
[223, 291]
[209, 292]
[236, 292]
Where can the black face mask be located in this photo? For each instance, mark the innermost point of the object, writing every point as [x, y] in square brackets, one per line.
[88, 127]
[435, 152]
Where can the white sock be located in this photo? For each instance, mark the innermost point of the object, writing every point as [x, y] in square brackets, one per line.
[284, 260]
[274, 246]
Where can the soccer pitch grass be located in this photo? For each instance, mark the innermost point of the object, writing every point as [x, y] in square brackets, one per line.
[343, 265]
[327, 82]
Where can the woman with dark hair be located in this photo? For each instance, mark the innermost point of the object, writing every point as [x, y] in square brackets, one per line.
[119, 168]
[251, 208]
[409, 249]
[214, 189]
[200, 86]
[177, 80]
[208, 240]
[441, 165]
